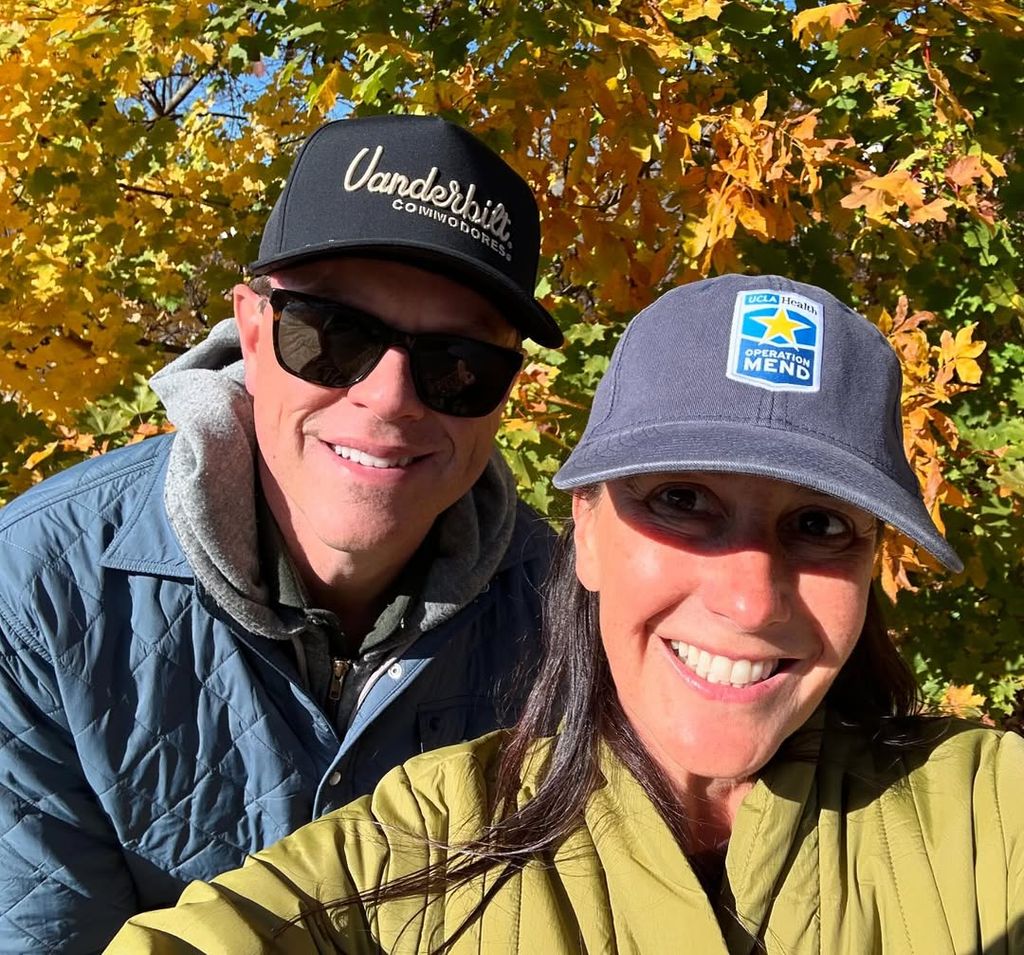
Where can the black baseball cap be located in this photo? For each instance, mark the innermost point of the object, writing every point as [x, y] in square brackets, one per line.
[758, 375]
[420, 190]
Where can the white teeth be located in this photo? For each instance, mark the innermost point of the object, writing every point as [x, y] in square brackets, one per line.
[719, 669]
[740, 673]
[703, 664]
[368, 460]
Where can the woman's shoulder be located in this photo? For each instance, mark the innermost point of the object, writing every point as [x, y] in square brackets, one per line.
[956, 749]
[951, 744]
[458, 780]
[934, 759]
[443, 778]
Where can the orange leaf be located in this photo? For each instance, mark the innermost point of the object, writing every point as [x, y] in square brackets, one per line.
[963, 171]
[962, 700]
[934, 211]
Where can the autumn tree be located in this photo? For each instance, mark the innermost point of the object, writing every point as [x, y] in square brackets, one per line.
[872, 148]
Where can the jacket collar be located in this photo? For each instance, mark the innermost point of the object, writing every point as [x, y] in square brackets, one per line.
[145, 542]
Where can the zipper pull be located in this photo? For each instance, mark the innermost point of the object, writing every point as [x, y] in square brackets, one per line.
[339, 668]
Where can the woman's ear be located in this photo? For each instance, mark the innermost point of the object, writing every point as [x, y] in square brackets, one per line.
[584, 537]
[248, 316]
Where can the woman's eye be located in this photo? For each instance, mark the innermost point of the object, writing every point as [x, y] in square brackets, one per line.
[823, 525]
[678, 500]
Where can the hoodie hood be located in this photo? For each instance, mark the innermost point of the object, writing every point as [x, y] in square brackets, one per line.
[211, 488]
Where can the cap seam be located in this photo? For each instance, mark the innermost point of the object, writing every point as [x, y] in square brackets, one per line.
[291, 178]
[616, 361]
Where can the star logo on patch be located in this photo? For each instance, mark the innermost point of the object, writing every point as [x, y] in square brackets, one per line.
[780, 325]
[776, 340]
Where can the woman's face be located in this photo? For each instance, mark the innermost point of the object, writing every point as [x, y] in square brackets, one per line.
[728, 605]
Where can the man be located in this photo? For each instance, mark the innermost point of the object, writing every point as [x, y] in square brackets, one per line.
[210, 638]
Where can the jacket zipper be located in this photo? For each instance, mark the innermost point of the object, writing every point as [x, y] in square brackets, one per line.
[339, 667]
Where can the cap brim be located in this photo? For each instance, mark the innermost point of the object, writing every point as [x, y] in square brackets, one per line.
[745, 449]
[521, 309]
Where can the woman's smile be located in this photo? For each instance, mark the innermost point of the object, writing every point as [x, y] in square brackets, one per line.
[728, 605]
[717, 669]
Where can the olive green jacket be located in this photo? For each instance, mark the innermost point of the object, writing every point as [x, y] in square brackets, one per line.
[865, 849]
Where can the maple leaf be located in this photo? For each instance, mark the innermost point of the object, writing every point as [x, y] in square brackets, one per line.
[142, 154]
[934, 211]
[824, 22]
[962, 700]
[965, 170]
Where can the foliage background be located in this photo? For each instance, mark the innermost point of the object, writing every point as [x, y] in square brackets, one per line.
[873, 148]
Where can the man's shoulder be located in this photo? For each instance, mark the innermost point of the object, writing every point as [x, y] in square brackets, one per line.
[532, 538]
[58, 512]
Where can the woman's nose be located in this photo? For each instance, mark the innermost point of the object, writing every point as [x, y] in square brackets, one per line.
[388, 390]
[750, 587]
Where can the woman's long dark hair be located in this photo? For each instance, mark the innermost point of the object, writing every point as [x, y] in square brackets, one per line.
[573, 701]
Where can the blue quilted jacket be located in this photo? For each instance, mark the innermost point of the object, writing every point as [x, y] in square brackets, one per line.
[146, 740]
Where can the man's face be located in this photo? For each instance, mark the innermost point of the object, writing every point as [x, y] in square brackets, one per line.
[368, 467]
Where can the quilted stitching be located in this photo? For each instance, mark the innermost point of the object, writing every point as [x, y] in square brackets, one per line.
[179, 749]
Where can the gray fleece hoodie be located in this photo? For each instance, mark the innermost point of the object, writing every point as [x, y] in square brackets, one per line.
[211, 502]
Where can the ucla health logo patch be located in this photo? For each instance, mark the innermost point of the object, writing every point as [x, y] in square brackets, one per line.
[776, 341]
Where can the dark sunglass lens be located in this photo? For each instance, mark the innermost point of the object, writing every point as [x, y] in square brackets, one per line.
[462, 377]
[322, 344]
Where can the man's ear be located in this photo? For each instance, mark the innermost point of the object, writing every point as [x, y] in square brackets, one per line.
[249, 307]
[584, 518]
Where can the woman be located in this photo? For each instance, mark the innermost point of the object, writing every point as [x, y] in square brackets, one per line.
[720, 753]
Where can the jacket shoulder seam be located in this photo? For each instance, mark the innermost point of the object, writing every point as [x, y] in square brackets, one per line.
[73, 492]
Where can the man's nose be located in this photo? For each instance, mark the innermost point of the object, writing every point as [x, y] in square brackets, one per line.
[750, 587]
[388, 390]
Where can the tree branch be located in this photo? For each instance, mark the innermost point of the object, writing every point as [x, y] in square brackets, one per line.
[162, 194]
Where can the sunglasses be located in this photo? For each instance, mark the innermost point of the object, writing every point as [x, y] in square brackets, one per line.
[335, 345]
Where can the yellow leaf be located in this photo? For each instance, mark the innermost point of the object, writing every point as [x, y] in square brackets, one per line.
[67, 22]
[41, 455]
[760, 104]
[328, 92]
[690, 10]
[962, 351]
[994, 164]
[753, 220]
[962, 700]
[823, 23]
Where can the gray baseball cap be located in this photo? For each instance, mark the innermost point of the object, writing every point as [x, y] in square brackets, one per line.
[758, 375]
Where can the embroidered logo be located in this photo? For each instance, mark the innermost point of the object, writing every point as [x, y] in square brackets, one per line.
[776, 341]
[451, 203]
